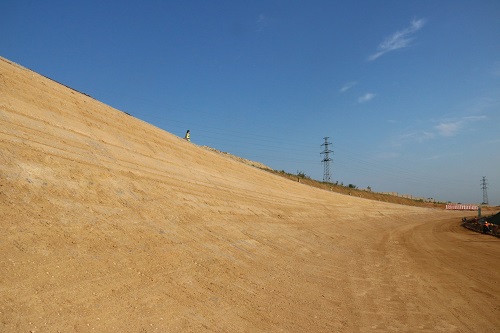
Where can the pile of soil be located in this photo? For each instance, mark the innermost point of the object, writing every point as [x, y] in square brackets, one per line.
[495, 219]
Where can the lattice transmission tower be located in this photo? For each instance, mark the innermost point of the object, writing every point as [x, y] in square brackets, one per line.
[326, 160]
[485, 192]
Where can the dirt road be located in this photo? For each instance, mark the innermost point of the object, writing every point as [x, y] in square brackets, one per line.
[432, 276]
[109, 224]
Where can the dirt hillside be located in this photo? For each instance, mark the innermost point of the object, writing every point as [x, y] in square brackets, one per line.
[110, 224]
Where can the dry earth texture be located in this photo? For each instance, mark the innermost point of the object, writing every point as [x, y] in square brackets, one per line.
[109, 224]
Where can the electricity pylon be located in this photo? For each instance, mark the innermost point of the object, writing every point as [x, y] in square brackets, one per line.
[485, 193]
[326, 161]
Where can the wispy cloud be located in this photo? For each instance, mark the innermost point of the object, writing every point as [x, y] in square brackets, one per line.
[449, 129]
[347, 86]
[263, 22]
[452, 127]
[366, 97]
[398, 40]
[445, 128]
[417, 136]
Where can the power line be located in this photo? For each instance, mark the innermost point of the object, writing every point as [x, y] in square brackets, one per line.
[269, 145]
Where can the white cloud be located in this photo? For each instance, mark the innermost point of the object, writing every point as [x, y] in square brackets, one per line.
[263, 22]
[398, 40]
[444, 128]
[366, 97]
[418, 136]
[449, 129]
[437, 129]
[347, 86]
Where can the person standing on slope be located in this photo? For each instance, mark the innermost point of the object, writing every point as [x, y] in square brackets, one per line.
[187, 137]
[486, 227]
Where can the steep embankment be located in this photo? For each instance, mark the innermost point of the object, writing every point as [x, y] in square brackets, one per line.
[110, 224]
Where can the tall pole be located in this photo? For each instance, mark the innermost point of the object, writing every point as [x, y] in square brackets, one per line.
[326, 160]
[485, 193]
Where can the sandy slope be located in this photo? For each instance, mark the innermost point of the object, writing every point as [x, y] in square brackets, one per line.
[112, 225]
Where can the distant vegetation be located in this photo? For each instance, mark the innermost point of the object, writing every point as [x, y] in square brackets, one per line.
[352, 189]
[302, 175]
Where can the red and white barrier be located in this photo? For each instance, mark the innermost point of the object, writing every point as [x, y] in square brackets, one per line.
[462, 207]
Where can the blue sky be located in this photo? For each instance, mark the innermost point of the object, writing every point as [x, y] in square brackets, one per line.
[407, 91]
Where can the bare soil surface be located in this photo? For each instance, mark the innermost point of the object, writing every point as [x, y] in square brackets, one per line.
[110, 224]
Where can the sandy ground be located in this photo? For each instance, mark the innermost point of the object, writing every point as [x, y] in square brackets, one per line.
[112, 225]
